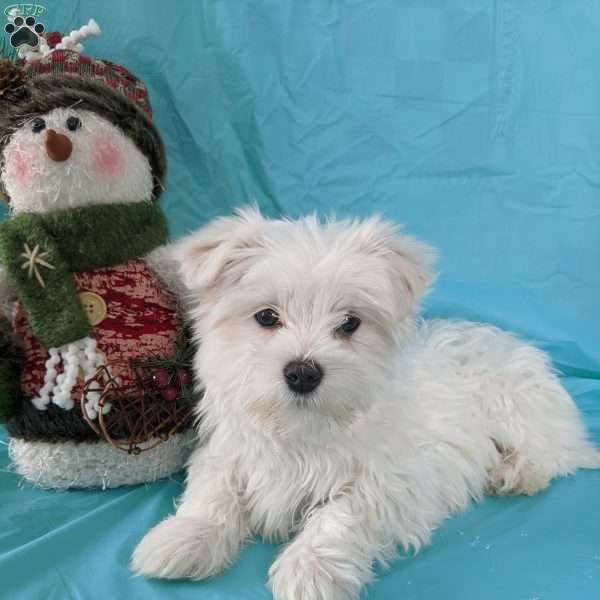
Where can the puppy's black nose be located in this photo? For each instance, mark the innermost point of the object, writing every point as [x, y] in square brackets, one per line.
[302, 376]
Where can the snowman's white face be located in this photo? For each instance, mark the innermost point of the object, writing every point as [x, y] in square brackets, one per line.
[69, 158]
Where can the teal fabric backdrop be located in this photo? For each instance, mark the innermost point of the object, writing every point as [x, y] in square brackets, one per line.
[477, 125]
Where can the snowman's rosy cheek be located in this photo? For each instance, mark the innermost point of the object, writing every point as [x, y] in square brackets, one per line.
[107, 158]
[21, 164]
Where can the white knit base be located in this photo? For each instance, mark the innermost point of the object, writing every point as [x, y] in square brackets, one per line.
[66, 465]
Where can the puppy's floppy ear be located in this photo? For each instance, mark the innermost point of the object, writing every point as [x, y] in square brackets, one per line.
[409, 261]
[219, 253]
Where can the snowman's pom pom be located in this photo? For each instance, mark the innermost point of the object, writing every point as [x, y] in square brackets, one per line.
[92, 28]
[72, 41]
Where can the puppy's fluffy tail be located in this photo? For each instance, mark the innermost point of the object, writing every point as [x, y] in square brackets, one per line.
[589, 458]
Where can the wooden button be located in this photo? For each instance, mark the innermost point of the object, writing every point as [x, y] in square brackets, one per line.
[94, 306]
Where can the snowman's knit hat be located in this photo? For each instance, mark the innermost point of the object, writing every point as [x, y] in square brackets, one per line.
[65, 78]
[71, 62]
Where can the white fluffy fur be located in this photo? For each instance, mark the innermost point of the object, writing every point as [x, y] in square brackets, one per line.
[163, 265]
[60, 185]
[412, 421]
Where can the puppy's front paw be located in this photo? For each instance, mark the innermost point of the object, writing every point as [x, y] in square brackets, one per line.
[181, 547]
[306, 576]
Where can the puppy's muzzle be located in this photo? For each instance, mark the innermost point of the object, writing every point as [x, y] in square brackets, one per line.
[302, 376]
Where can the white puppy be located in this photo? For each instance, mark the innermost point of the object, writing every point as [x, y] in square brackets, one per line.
[331, 413]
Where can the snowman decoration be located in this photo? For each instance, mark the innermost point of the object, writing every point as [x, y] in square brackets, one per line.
[85, 279]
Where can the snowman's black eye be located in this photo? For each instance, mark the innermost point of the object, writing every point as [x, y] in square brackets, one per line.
[73, 123]
[38, 124]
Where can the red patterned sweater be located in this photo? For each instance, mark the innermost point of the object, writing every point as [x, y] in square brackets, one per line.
[133, 317]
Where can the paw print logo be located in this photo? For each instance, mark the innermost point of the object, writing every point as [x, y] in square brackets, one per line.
[24, 32]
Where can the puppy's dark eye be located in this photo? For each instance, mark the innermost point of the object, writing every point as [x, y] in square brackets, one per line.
[267, 317]
[349, 325]
[38, 124]
[73, 123]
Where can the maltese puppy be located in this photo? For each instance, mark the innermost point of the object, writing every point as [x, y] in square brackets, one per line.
[333, 418]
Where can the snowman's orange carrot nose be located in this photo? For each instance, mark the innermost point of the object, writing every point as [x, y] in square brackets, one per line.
[58, 146]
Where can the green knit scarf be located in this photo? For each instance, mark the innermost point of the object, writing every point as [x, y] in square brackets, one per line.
[69, 241]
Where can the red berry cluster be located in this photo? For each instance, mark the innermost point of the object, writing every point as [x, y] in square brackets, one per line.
[171, 385]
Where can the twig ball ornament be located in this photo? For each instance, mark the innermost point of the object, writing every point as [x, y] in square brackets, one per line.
[170, 393]
[161, 377]
[185, 378]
